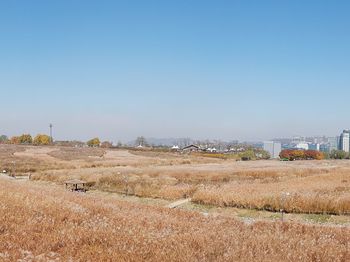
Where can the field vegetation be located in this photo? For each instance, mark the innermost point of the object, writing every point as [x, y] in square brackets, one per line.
[46, 223]
[297, 154]
[312, 187]
[41, 221]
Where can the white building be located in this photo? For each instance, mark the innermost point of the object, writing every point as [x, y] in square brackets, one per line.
[345, 141]
[211, 149]
[302, 145]
[274, 148]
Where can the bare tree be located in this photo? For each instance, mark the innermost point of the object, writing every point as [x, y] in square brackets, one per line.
[141, 141]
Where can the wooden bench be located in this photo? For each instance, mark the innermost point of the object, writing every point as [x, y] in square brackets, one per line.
[76, 185]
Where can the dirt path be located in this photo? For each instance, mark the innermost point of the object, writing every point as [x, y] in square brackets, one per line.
[41, 153]
[122, 155]
[179, 203]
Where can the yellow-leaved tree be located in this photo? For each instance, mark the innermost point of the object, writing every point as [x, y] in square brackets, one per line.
[25, 139]
[41, 139]
[95, 142]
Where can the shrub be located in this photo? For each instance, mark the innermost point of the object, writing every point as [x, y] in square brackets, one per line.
[247, 155]
[15, 140]
[23, 139]
[3, 139]
[42, 140]
[338, 154]
[313, 154]
[297, 154]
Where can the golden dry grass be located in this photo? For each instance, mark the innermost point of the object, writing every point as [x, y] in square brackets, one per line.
[313, 186]
[72, 153]
[14, 159]
[42, 223]
[324, 193]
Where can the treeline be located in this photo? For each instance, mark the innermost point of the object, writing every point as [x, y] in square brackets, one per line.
[253, 154]
[297, 154]
[339, 154]
[41, 139]
[26, 139]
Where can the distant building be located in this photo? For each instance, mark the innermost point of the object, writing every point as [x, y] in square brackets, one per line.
[333, 143]
[345, 141]
[314, 146]
[190, 148]
[298, 139]
[325, 148]
[274, 148]
[211, 149]
[302, 145]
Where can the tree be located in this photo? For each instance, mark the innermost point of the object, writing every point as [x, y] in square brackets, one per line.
[338, 154]
[297, 154]
[326, 155]
[264, 154]
[95, 142]
[15, 140]
[141, 141]
[247, 155]
[26, 139]
[42, 140]
[3, 139]
[292, 154]
[314, 154]
[23, 139]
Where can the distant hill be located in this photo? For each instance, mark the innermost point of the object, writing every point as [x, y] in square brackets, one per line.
[165, 141]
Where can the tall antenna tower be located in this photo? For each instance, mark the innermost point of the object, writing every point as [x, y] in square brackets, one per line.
[51, 139]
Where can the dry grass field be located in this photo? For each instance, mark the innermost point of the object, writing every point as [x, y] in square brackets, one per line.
[40, 220]
[47, 223]
[298, 187]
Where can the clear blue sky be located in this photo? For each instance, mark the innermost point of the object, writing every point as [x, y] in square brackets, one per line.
[245, 70]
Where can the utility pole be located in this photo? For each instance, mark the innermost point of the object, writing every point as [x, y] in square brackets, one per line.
[14, 169]
[51, 139]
